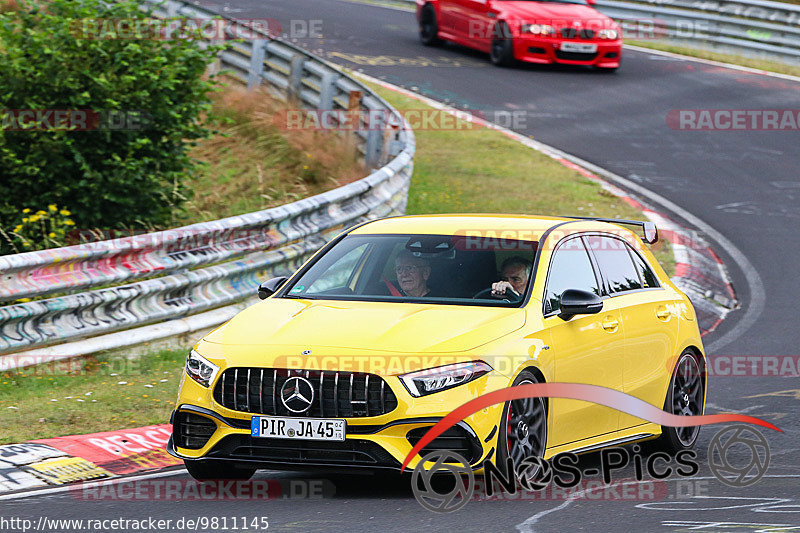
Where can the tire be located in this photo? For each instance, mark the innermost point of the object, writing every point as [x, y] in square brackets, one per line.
[210, 470]
[502, 50]
[429, 27]
[532, 412]
[685, 396]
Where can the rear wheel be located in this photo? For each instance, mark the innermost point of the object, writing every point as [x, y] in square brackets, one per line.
[429, 27]
[502, 51]
[210, 470]
[684, 397]
[523, 428]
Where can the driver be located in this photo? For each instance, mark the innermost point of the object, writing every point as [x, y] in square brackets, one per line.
[412, 275]
[514, 273]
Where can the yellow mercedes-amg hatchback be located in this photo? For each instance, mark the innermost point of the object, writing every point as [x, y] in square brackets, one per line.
[397, 322]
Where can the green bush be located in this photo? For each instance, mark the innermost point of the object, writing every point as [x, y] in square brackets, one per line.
[109, 177]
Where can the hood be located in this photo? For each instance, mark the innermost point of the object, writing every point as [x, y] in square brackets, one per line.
[372, 326]
[547, 12]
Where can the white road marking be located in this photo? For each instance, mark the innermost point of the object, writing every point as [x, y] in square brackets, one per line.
[527, 525]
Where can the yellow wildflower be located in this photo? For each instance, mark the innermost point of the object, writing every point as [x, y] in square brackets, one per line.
[26, 211]
[52, 207]
[52, 235]
[41, 213]
[69, 223]
[18, 229]
[65, 212]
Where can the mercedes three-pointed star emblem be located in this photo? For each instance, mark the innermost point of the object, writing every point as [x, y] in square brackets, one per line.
[297, 394]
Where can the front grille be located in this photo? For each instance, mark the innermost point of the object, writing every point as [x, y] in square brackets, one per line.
[455, 439]
[576, 56]
[348, 452]
[192, 431]
[336, 394]
[572, 33]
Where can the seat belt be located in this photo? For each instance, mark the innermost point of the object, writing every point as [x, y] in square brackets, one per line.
[392, 290]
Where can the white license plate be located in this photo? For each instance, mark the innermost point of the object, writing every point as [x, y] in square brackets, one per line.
[579, 47]
[280, 427]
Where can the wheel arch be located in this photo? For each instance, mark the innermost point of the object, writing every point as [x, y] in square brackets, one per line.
[697, 352]
[540, 377]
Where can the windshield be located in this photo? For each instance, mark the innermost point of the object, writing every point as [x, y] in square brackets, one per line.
[447, 269]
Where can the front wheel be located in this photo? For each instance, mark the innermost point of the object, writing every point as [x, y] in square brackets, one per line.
[523, 428]
[429, 27]
[502, 51]
[210, 470]
[685, 397]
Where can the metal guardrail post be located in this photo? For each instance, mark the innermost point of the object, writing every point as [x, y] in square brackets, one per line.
[256, 63]
[374, 148]
[296, 76]
[327, 90]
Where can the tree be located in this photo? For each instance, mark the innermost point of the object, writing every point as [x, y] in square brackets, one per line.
[97, 118]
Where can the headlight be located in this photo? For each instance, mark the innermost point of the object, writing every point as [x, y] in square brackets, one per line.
[608, 34]
[432, 380]
[201, 369]
[538, 29]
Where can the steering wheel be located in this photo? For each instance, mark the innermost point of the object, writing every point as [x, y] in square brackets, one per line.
[486, 293]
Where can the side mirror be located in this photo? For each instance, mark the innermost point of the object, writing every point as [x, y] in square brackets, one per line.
[576, 302]
[270, 287]
[591, 2]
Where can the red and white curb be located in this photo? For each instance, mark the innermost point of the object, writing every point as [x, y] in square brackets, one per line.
[699, 271]
[63, 460]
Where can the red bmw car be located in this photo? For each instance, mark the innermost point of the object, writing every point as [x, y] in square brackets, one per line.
[533, 31]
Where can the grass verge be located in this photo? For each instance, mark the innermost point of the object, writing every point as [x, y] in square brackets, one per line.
[101, 393]
[253, 163]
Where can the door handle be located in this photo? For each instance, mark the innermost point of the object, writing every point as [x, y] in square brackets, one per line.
[610, 324]
[663, 313]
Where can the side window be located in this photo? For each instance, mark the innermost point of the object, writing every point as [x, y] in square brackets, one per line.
[615, 263]
[649, 279]
[570, 268]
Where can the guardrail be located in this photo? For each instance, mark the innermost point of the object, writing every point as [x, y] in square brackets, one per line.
[209, 265]
[753, 28]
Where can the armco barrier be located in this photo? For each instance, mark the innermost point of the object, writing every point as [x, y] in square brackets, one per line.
[754, 28]
[180, 272]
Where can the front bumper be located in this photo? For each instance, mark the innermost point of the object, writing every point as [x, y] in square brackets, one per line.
[378, 442]
[533, 49]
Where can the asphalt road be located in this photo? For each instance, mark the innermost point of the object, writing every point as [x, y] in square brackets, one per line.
[744, 185]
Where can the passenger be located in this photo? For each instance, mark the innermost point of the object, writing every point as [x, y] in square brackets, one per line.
[515, 273]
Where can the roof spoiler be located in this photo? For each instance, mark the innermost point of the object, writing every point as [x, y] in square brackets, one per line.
[649, 229]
